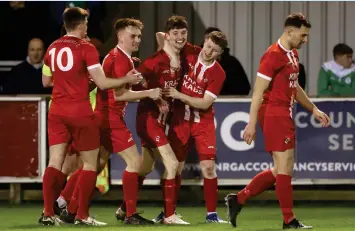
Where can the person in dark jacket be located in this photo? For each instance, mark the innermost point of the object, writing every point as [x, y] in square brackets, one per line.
[26, 77]
[236, 82]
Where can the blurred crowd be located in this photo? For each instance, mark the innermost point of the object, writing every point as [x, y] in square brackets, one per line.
[28, 43]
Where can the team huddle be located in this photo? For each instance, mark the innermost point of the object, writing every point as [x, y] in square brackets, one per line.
[176, 88]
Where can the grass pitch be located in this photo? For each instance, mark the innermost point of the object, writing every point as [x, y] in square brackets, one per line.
[252, 218]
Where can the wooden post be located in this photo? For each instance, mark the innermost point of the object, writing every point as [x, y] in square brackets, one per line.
[15, 193]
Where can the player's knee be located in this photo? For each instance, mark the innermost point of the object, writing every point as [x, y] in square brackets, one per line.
[145, 168]
[180, 168]
[172, 167]
[208, 168]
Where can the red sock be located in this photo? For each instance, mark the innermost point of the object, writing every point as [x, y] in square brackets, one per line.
[140, 183]
[257, 185]
[177, 188]
[169, 197]
[87, 181]
[130, 191]
[284, 194]
[210, 190]
[53, 181]
[162, 184]
[74, 201]
[61, 178]
[68, 190]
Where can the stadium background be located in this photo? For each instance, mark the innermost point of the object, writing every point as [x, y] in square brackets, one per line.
[250, 26]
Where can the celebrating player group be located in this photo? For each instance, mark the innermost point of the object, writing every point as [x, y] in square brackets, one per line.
[179, 77]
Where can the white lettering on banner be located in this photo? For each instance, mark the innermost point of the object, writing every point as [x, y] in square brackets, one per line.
[345, 141]
[298, 119]
[337, 119]
[261, 166]
[226, 134]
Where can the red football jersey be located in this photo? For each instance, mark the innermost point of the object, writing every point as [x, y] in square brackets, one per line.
[69, 59]
[116, 65]
[199, 80]
[281, 67]
[157, 73]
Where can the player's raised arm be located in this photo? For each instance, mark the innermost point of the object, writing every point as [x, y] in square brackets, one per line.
[160, 36]
[98, 75]
[305, 101]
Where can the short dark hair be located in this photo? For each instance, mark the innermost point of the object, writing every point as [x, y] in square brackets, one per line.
[74, 16]
[342, 49]
[122, 23]
[176, 22]
[218, 38]
[297, 20]
[211, 29]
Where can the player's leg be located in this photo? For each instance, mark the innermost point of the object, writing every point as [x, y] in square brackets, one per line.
[54, 179]
[262, 181]
[71, 165]
[68, 215]
[87, 141]
[146, 166]
[284, 190]
[204, 135]
[179, 137]
[171, 163]
[130, 183]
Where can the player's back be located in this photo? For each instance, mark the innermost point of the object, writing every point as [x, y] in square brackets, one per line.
[281, 67]
[69, 59]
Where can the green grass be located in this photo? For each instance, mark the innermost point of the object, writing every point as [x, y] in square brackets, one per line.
[252, 218]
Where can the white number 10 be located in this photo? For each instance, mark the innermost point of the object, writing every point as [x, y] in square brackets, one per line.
[70, 59]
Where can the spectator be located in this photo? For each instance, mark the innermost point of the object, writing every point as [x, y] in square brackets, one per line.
[26, 77]
[337, 77]
[236, 82]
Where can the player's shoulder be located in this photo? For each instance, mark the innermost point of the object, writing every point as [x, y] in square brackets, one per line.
[85, 45]
[218, 70]
[273, 49]
[157, 57]
[190, 48]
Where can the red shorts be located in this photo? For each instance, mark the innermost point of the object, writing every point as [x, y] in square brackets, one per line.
[114, 135]
[83, 131]
[279, 131]
[150, 131]
[72, 150]
[204, 135]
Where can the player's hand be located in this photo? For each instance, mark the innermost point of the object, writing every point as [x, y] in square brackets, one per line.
[321, 117]
[134, 77]
[171, 92]
[249, 133]
[163, 106]
[155, 93]
[136, 59]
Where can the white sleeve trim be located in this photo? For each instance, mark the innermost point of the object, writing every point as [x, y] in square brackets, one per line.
[264, 76]
[211, 94]
[94, 66]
